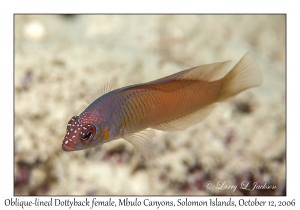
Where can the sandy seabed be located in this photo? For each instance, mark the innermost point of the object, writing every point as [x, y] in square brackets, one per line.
[59, 59]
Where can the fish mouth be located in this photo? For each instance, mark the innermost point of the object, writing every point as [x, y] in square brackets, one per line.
[68, 148]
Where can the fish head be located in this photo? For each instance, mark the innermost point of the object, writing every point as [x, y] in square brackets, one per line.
[79, 136]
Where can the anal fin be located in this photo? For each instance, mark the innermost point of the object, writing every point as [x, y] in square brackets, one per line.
[186, 121]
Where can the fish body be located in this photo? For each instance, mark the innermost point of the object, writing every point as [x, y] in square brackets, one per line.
[171, 103]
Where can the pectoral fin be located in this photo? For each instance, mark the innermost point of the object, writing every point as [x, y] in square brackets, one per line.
[143, 142]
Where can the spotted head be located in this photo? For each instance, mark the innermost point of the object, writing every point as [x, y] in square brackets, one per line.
[79, 136]
[86, 131]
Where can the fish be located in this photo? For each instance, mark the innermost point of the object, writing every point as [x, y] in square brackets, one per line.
[171, 103]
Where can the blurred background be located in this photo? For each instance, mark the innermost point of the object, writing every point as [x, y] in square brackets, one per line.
[59, 59]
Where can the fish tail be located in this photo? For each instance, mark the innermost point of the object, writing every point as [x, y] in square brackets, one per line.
[245, 74]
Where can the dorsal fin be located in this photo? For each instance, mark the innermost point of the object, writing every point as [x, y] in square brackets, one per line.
[209, 72]
[107, 87]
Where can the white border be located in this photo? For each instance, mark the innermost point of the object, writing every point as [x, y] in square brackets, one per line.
[6, 72]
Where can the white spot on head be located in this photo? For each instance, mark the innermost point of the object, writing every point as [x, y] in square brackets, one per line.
[78, 128]
[66, 142]
[70, 139]
[84, 128]
[68, 133]
[71, 129]
[75, 132]
[73, 136]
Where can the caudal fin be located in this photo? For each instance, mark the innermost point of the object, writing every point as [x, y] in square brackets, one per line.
[245, 74]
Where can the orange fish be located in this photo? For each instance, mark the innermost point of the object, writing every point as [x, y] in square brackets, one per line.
[171, 103]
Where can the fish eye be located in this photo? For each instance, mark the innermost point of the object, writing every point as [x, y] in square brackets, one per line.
[87, 135]
[87, 132]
